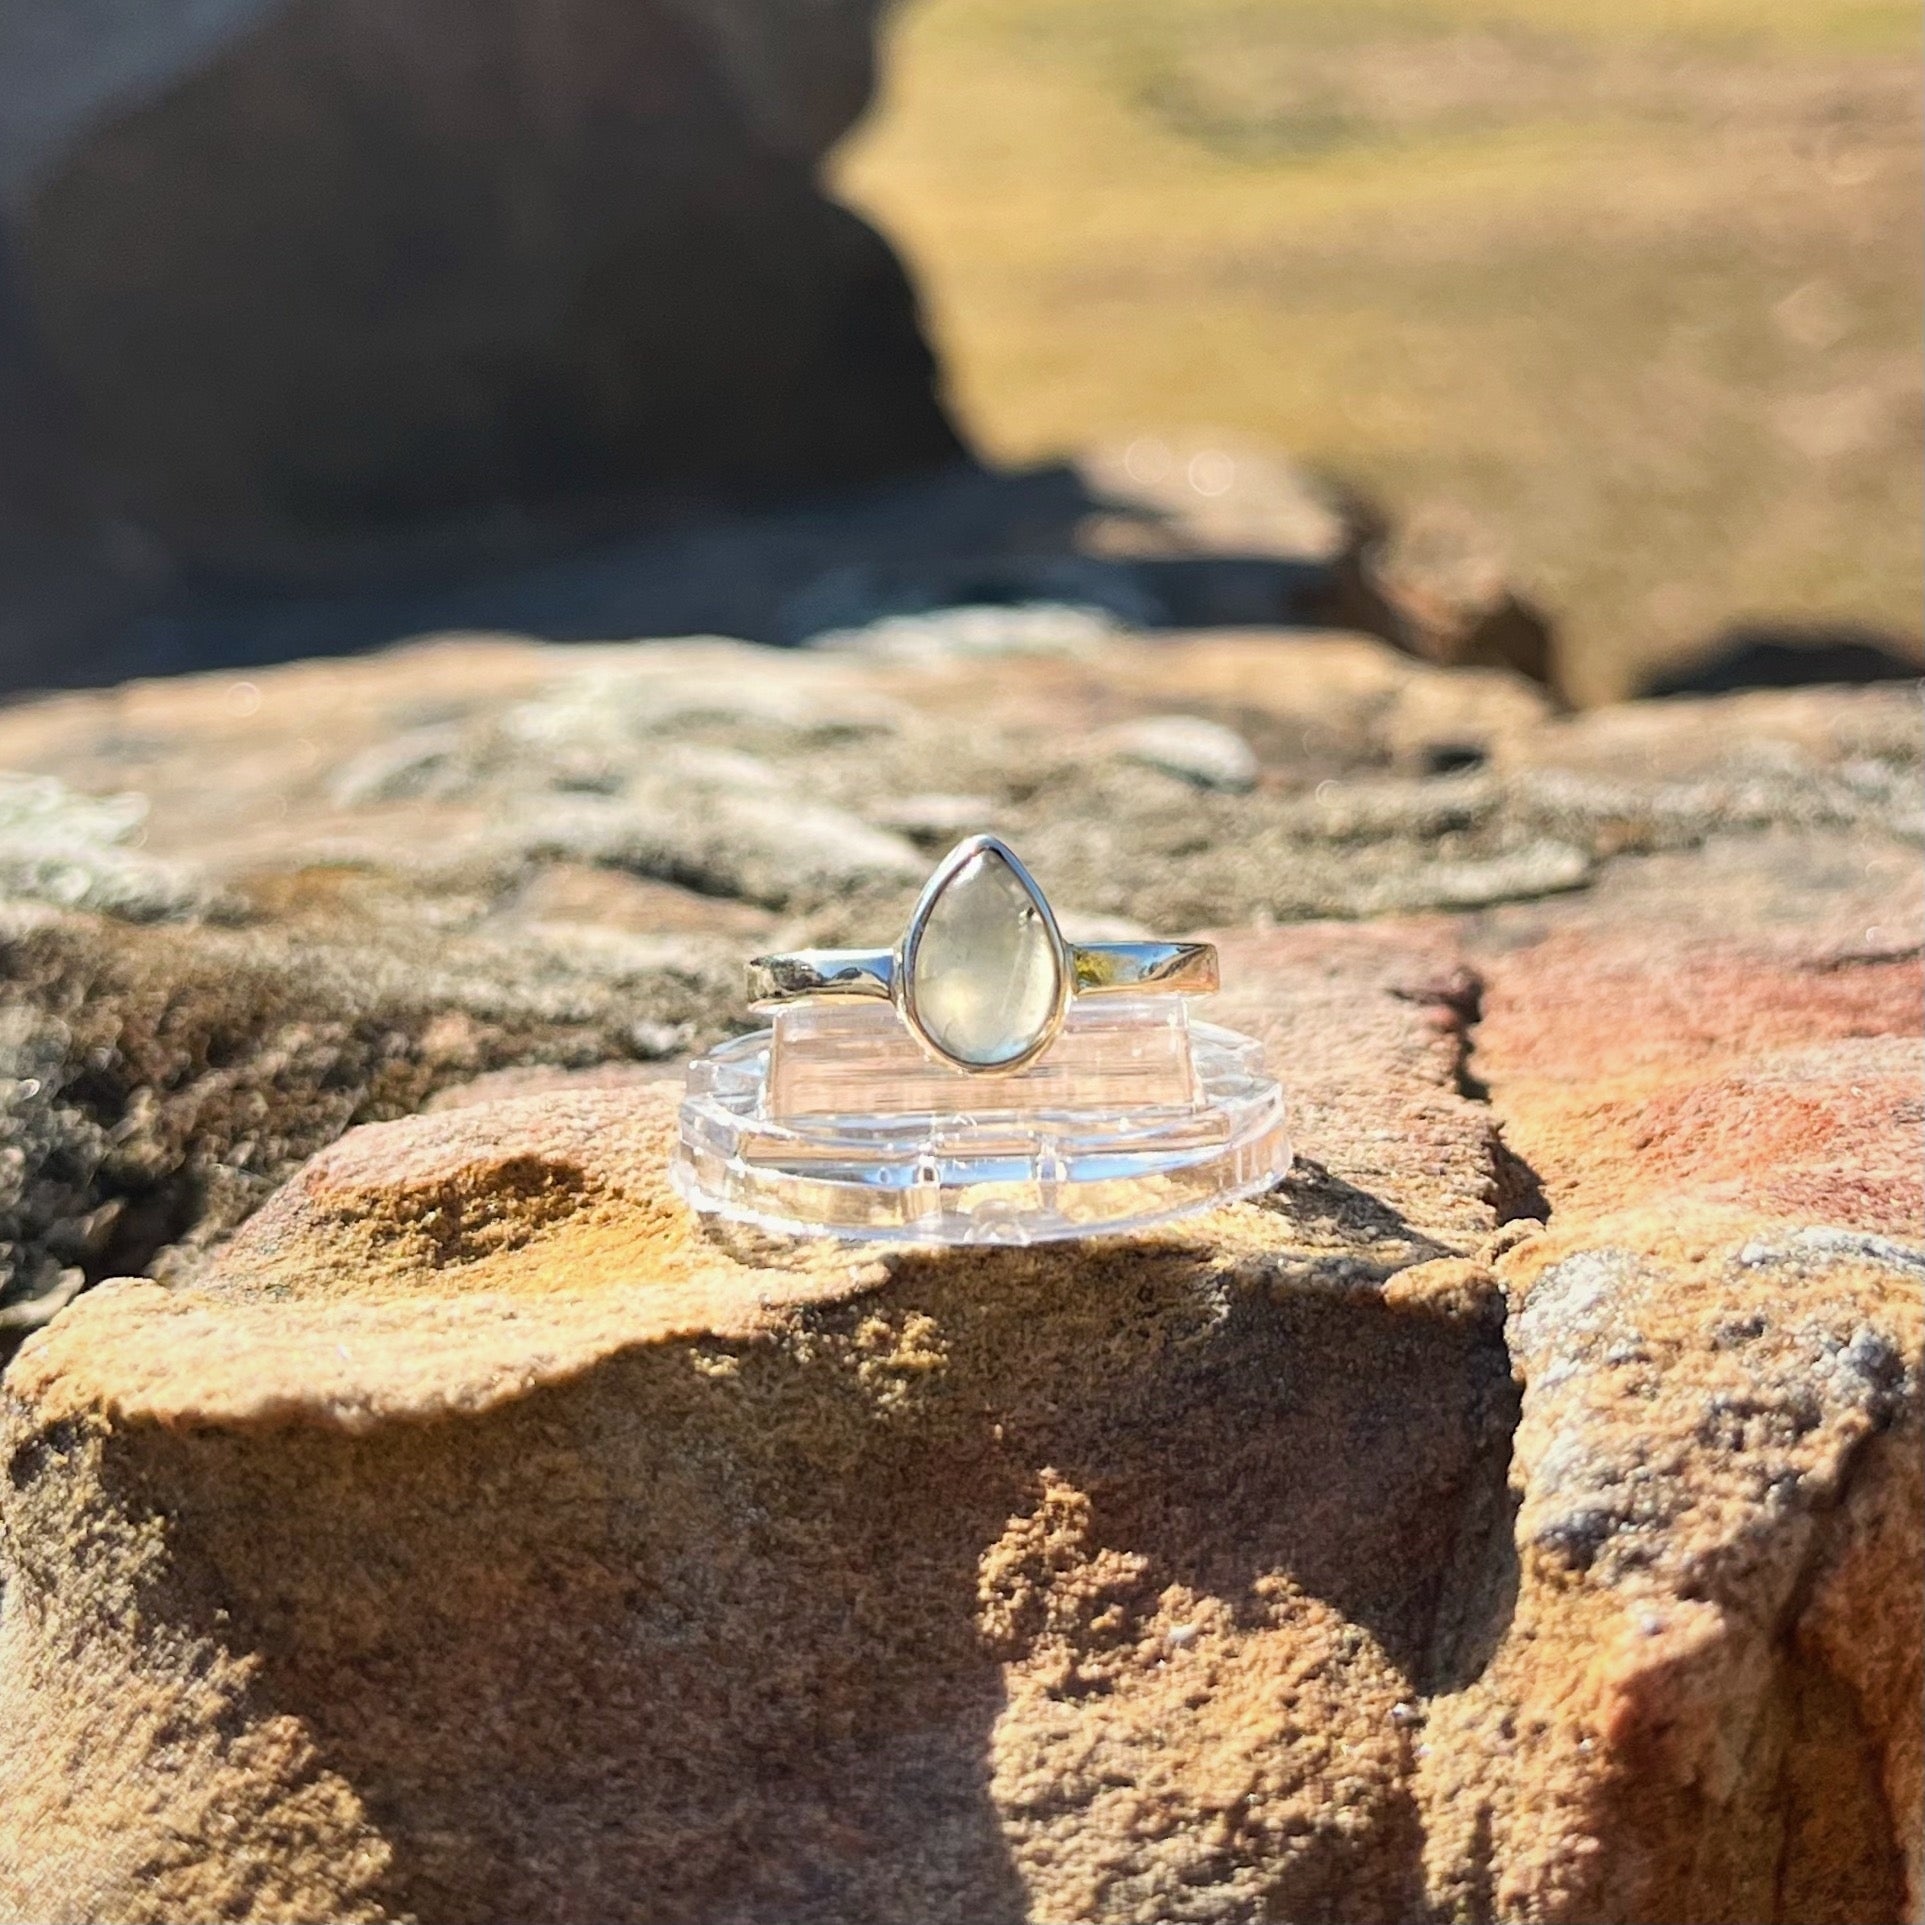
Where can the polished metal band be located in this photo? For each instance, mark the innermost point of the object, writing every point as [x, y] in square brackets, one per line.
[1096, 969]
[1109, 968]
[807, 973]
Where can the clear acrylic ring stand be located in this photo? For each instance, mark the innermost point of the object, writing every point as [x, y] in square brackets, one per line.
[835, 1122]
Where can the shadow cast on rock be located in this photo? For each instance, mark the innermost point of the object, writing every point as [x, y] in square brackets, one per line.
[1790, 655]
[1351, 1218]
[709, 1630]
[960, 536]
[656, 1643]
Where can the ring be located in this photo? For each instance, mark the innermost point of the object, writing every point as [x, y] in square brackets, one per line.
[983, 976]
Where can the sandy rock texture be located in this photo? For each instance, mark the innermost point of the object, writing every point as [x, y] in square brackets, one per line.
[1517, 1515]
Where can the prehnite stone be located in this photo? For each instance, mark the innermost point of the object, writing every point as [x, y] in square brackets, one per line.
[985, 976]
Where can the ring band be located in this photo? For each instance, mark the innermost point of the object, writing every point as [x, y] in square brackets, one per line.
[982, 976]
[1098, 969]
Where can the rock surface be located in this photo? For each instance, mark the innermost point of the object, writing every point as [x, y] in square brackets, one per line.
[1515, 1516]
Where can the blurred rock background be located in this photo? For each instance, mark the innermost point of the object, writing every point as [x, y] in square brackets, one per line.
[1520, 334]
[1623, 299]
[327, 297]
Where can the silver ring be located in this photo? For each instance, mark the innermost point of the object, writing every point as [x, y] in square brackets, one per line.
[983, 976]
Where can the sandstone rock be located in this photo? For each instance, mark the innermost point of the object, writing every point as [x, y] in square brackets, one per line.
[1437, 583]
[1516, 1516]
[972, 633]
[160, 1081]
[1711, 1068]
[1180, 495]
[1449, 592]
[1205, 753]
[934, 1552]
[76, 850]
[543, 827]
[1221, 530]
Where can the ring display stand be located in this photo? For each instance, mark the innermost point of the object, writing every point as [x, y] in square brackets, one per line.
[835, 1122]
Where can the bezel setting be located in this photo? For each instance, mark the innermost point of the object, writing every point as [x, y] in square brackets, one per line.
[903, 974]
[1146, 966]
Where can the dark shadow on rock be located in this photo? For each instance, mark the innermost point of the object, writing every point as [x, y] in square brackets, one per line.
[656, 1644]
[1312, 1196]
[1250, 1433]
[1520, 1196]
[695, 1634]
[343, 301]
[1792, 655]
[964, 536]
[70, 573]
[1326, 1434]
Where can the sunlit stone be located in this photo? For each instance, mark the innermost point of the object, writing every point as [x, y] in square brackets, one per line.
[985, 976]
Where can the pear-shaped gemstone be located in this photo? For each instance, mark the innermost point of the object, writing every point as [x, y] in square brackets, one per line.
[985, 976]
